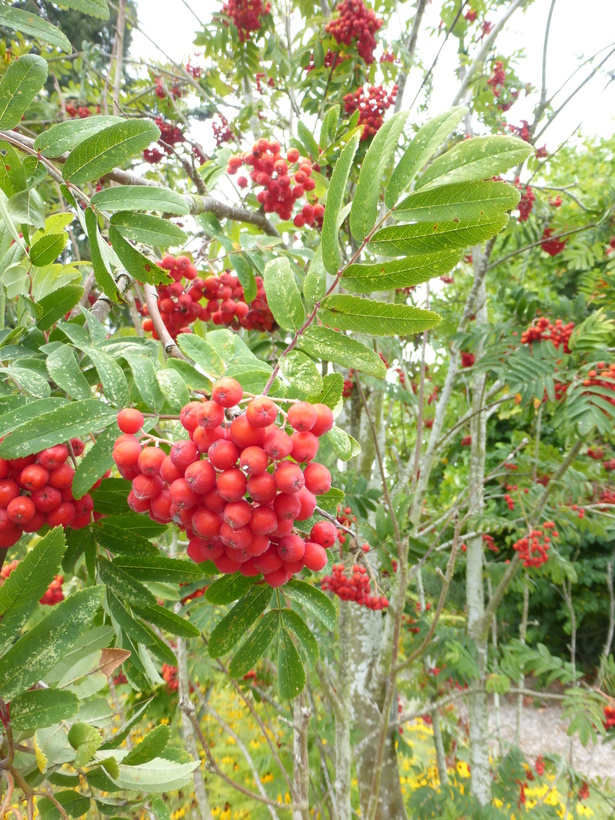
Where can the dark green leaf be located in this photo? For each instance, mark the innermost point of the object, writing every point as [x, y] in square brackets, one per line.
[148, 230]
[47, 249]
[64, 136]
[29, 23]
[94, 463]
[463, 200]
[102, 152]
[364, 211]
[137, 264]
[169, 621]
[291, 675]
[228, 588]
[104, 279]
[425, 237]
[56, 304]
[335, 200]
[42, 707]
[43, 647]
[312, 600]
[174, 388]
[150, 747]
[14, 418]
[300, 629]
[160, 568]
[254, 647]
[113, 380]
[95, 8]
[241, 617]
[54, 427]
[427, 141]
[400, 273]
[23, 80]
[124, 586]
[27, 207]
[315, 284]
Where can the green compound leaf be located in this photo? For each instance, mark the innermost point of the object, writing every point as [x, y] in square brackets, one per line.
[148, 230]
[400, 273]
[427, 141]
[23, 80]
[463, 200]
[476, 158]
[283, 294]
[61, 424]
[241, 617]
[254, 647]
[64, 136]
[313, 601]
[137, 264]
[41, 708]
[102, 152]
[426, 237]
[33, 24]
[331, 346]
[375, 318]
[335, 200]
[307, 641]
[140, 198]
[291, 674]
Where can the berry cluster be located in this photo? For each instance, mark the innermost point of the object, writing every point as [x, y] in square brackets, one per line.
[558, 334]
[355, 22]
[161, 92]
[180, 304]
[53, 593]
[232, 486]
[170, 135]
[489, 541]
[522, 131]
[556, 202]
[246, 15]
[609, 717]
[526, 203]
[81, 111]
[283, 187]
[331, 61]
[221, 129]
[609, 465]
[258, 80]
[497, 80]
[603, 377]
[371, 105]
[169, 675]
[37, 490]
[467, 359]
[533, 549]
[552, 246]
[354, 587]
[466, 441]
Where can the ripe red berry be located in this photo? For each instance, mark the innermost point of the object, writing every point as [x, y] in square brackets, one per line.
[324, 533]
[183, 453]
[130, 420]
[46, 499]
[261, 412]
[302, 416]
[210, 415]
[223, 454]
[291, 548]
[324, 419]
[53, 457]
[126, 453]
[263, 520]
[317, 478]
[62, 515]
[238, 514]
[261, 488]
[200, 476]
[227, 392]
[308, 504]
[277, 444]
[160, 507]
[33, 477]
[206, 523]
[9, 490]
[62, 476]
[254, 460]
[277, 578]
[232, 484]
[237, 538]
[244, 434]
[305, 446]
[21, 510]
[150, 460]
[268, 562]
[168, 471]
[147, 486]
[189, 415]
[205, 549]
[137, 505]
[181, 495]
[287, 507]
[289, 477]
[315, 557]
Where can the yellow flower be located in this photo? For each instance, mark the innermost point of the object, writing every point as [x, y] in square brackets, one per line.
[462, 768]
[584, 811]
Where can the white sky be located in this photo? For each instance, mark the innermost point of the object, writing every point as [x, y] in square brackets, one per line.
[578, 30]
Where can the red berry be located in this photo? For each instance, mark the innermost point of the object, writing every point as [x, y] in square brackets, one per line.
[126, 452]
[223, 454]
[33, 477]
[181, 494]
[205, 549]
[277, 444]
[53, 457]
[210, 415]
[183, 453]
[150, 460]
[324, 419]
[291, 548]
[206, 523]
[317, 478]
[261, 412]
[254, 460]
[46, 499]
[9, 490]
[62, 476]
[289, 477]
[227, 392]
[62, 515]
[21, 510]
[315, 557]
[261, 488]
[244, 434]
[305, 446]
[200, 477]
[302, 416]
[130, 420]
[324, 533]
[232, 484]
[263, 520]
[238, 514]
[189, 414]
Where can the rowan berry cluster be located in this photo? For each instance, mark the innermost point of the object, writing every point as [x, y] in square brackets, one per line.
[348, 385]
[466, 441]
[170, 135]
[557, 333]
[236, 487]
[526, 203]
[246, 15]
[470, 15]
[258, 81]
[169, 675]
[609, 717]
[522, 131]
[556, 202]
[355, 22]
[609, 465]
[552, 246]
[489, 541]
[161, 92]
[53, 593]
[354, 587]
[467, 359]
[81, 111]
[603, 377]
[331, 60]
[37, 490]
[498, 78]
[282, 185]
[219, 299]
[371, 103]
[533, 549]
[221, 129]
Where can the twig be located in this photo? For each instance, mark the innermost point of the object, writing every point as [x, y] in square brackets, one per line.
[151, 299]
[539, 242]
[118, 45]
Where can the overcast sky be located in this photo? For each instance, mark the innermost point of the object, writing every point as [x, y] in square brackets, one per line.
[578, 30]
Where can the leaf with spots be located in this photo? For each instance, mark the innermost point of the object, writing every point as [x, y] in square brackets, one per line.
[291, 674]
[241, 617]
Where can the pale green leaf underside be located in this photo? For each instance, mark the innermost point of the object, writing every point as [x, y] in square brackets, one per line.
[64, 136]
[23, 80]
[335, 199]
[463, 200]
[426, 237]
[148, 230]
[331, 346]
[399, 273]
[140, 198]
[29, 23]
[375, 318]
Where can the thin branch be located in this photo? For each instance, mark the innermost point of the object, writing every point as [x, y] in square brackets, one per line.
[151, 299]
[120, 29]
[539, 242]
